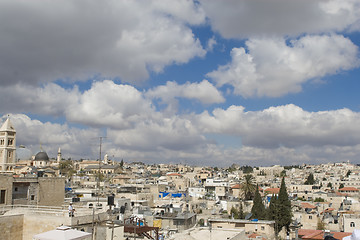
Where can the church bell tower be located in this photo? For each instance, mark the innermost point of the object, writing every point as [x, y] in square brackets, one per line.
[7, 146]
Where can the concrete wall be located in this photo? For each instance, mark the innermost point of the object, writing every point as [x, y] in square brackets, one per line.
[11, 227]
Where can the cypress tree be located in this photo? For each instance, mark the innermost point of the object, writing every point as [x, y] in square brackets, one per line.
[284, 208]
[272, 210]
[241, 211]
[258, 208]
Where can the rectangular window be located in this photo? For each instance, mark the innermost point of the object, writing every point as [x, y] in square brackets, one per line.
[32, 197]
[2, 196]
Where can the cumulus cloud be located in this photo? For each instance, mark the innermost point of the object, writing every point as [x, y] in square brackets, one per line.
[277, 135]
[273, 68]
[76, 40]
[253, 18]
[107, 104]
[204, 92]
[287, 125]
[74, 142]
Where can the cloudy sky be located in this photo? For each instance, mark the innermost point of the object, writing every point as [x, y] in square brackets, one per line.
[202, 82]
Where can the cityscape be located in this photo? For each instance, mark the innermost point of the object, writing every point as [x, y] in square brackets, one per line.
[181, 119]
[43, 198]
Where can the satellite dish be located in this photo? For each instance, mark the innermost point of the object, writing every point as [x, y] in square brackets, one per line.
[248, 216]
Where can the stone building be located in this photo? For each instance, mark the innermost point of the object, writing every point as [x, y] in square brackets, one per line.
[7, 146]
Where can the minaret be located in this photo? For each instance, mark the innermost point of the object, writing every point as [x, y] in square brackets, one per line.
[59, 156]
[7, 146]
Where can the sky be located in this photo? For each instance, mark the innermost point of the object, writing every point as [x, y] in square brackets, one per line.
[207, 82]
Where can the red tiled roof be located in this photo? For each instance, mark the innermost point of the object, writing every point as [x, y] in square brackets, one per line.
[173, 174]
[307, 205]
[319, 234]
[272, 190]
[236, 186]
[349, 189]
[254, 235]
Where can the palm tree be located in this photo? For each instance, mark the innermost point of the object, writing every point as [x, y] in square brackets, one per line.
[248, 187]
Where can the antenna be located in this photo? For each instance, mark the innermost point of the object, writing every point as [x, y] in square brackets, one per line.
[99, 172]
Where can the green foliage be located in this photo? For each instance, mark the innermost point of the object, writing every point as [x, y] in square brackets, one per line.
[320, 225]
[248, 187]
[284, 208]
[271, 211]
[283, 173]
[319, 199]
[66, 168]
[310, 180]
[234, 212]
[246, 169]
[341, 185]
[241, 211]
[216, 169]
[329, 185]
[122, 163]
[348, 173]
[258, 208]
[201, 222]
[292, 166]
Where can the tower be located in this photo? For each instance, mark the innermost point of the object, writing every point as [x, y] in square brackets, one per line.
[59, 156]
[7, 146]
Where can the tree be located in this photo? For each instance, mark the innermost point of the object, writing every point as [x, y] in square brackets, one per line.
[258, 208]
[234, 212]
[348, 173]
[66, 168]
[320, 225]
[246, 169]
[329, 185]
[284, 207]
[241, 211]
[271, 211]
[341, 185]
[248, 187]
[310, 180]
[122, 163]
[283, 173]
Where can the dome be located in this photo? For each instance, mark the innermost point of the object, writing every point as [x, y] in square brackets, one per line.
[41, 156]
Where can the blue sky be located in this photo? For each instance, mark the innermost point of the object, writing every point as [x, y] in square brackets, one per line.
[203, 82]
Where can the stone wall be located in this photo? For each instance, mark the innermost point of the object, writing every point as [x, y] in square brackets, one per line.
[51, 191]
[6, 182]
[11, 227]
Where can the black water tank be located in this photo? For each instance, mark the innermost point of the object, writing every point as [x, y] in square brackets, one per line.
[111, 200]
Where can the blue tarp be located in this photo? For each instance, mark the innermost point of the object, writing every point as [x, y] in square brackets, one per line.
[173, 195]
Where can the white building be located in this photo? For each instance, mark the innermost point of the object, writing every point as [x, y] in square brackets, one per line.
[7, 146]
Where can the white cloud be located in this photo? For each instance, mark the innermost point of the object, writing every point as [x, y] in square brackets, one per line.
[272, 68]
[288, 126]
[76, 40]
[112, 105]
[74, 142]
[204, 92]
[277, 135]
[211, 43]
[253, 18]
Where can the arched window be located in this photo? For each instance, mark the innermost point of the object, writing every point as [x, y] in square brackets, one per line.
[352, 224]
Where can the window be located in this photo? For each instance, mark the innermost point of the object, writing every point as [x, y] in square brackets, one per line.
[32, 197]
[262, 228]
[2, 196]
[310, 217]
[2, 142]
[352, 224]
